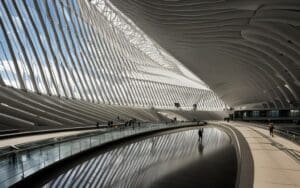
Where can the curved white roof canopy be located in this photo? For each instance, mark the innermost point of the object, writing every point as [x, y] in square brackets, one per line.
[166, 64]
[247, 51]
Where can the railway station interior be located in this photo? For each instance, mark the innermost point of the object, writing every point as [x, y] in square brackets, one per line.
[150, 93]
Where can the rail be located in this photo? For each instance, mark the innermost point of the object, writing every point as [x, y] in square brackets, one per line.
[291, 135]
[23, 160]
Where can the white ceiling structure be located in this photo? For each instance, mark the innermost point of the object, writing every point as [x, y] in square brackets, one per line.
[247, 51]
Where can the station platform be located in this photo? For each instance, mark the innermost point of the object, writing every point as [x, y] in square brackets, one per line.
[178, 158]
[276, 159]
[25, 159]
[173, 158]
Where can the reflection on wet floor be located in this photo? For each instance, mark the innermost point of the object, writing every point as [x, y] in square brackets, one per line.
[146, 162]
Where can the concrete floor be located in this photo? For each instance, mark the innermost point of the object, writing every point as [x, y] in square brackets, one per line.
[276, 162]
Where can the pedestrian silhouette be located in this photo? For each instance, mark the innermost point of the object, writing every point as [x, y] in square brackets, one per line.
[271, 129]
[200, 134]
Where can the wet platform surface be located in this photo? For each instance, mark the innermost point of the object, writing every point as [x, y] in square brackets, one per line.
[172, 159]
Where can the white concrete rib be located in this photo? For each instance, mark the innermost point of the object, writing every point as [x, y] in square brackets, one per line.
[216, 39]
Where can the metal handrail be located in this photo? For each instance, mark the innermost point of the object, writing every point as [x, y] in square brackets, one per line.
[55, 140]
[18, 164]
[291, 135]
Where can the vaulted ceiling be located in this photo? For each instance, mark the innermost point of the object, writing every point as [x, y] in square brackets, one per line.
[247, 51]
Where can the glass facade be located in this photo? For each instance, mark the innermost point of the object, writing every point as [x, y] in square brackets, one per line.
[88, 50]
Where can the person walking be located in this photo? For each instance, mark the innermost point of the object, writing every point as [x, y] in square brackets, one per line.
[200, 134]
[271, 129]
